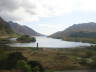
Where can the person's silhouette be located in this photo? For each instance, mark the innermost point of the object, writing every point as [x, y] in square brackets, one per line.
[37, 44]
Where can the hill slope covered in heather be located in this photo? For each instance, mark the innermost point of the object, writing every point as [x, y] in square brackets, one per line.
[78, 31]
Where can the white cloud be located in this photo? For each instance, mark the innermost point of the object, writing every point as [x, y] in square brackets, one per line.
[32, 10]
[87, 5]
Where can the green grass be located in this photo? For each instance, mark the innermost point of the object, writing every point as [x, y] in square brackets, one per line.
[57, 59]
[60, 59]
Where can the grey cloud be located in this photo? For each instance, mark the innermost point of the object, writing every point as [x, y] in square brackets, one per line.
[9, 6]
[30, 8]
[32, 12]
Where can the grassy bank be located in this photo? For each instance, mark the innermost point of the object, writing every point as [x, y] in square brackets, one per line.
[56, 59]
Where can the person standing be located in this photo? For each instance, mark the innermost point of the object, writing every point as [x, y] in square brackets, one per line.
[37, 45]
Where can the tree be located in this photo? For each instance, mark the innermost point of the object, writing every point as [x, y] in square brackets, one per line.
[26, 38]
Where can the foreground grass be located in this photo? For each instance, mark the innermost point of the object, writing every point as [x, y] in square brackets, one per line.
[57, 59]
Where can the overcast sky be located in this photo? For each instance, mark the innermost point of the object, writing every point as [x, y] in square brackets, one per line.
[48, 16]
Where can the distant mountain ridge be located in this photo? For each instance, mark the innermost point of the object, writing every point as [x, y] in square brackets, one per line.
[23, 30]
[8, 29]
[86, 30]
[86, 27]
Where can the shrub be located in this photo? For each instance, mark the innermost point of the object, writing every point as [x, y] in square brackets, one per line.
[23, 66]
[36, 66]
[11, 60]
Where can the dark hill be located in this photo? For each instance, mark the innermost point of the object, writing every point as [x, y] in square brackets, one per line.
[5, 29]
[84, 30]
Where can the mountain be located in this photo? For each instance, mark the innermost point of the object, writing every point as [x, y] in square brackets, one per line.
[84, 30]
[23, 30]
[5, 29]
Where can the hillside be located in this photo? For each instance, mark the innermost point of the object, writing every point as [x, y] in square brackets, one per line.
[23, 30]
[84, 30]
[11, 29]
[5, 30]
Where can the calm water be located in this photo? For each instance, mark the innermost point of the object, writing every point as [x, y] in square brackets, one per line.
[48, 42]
